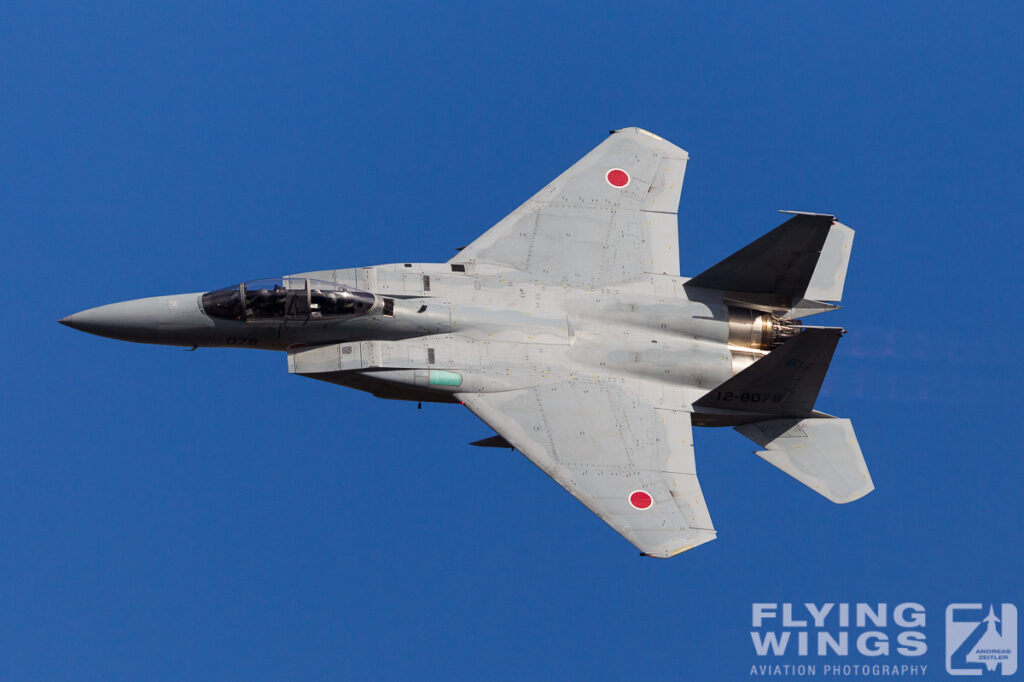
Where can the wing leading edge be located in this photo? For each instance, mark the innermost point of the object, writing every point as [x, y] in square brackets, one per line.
[629, 462]
[609, 218]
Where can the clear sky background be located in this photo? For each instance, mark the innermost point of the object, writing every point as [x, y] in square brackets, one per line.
[196, 516]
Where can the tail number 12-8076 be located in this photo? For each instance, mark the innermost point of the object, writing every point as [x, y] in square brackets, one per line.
[732, 396]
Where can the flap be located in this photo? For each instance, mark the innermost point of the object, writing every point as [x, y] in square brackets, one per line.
[628, 462]
[609, 218]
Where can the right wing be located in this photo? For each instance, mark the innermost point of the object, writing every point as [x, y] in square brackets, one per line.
[614, 452]
[609, 218]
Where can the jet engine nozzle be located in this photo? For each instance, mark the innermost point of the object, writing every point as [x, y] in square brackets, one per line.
[759, 330]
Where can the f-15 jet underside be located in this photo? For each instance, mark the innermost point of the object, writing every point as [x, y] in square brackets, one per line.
[568, 329]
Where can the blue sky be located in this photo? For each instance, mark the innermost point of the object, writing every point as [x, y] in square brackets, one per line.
[193, 516]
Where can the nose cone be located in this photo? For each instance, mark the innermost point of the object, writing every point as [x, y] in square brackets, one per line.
[137, 320]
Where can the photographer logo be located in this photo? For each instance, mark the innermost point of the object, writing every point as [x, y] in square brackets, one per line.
[981, 639]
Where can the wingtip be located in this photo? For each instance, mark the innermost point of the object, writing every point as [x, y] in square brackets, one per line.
[635, 129]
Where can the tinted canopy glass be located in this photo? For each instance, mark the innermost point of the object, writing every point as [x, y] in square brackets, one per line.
[288, 297]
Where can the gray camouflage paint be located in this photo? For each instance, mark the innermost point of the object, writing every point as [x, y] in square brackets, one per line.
[567, 328]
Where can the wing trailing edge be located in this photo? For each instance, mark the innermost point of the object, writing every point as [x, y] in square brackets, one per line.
[609, 218]
[604, 445]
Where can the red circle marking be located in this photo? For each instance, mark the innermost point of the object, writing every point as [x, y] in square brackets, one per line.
[617, 177]
[641, 499]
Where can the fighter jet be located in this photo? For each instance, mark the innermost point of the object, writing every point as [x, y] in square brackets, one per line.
[569, 331]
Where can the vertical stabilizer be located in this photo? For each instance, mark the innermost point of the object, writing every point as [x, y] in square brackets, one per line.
[795, 267]
[785, 382]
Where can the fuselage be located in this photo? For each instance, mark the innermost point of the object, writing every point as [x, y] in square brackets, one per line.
[426, 331]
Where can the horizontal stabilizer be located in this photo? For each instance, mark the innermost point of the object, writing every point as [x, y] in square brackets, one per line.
[785, 382]
[776, 270]
[823, 454]
[808, 307]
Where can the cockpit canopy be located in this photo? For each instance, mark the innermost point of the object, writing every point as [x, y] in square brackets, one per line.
[294, 298]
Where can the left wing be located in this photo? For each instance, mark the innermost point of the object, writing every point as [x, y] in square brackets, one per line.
[629, 462]
[610, 218]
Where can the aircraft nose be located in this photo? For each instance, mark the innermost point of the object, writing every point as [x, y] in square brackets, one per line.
[136, 320]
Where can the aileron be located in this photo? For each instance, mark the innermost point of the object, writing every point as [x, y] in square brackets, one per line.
[627, 461]
[609, 218]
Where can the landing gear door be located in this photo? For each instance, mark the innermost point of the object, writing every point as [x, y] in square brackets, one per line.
[297, 308]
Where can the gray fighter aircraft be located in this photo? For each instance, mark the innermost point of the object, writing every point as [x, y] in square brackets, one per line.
[567, 329]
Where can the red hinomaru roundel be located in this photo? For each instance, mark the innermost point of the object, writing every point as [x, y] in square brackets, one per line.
[641, 499]
[617, 177]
